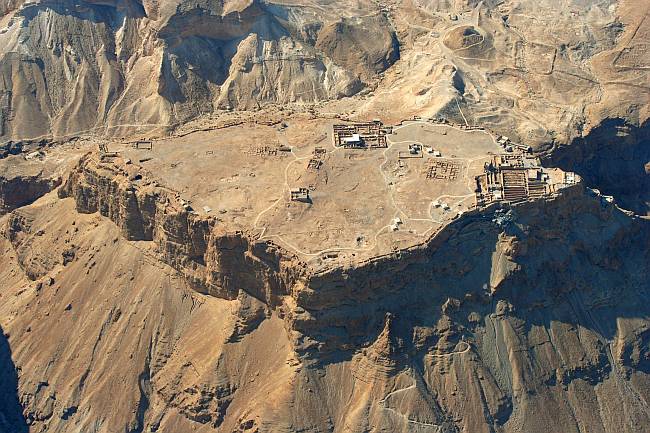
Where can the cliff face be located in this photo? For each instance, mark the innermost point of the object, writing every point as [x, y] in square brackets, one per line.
[29, 171]
[615, 158]
[214, 261]
[19, 191]
[505, 313]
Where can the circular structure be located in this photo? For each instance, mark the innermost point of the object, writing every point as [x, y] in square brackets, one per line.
[468, 42]
[463, 37]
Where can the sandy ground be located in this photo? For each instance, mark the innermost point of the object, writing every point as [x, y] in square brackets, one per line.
[243, 177]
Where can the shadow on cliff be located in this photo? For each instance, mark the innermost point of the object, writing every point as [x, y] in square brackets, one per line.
[579, 273]
[411, 287]
[613, 159]
[587, 279]
[575, 262]
[592, 270]
[106, 12]
[11, 412]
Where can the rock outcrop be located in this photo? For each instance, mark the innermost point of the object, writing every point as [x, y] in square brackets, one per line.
[507, 311]
[21, 191]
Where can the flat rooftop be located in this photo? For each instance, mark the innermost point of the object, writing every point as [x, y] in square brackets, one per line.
[362, 202]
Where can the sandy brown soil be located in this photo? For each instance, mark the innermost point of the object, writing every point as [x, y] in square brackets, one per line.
[356, 196]
[180, 289]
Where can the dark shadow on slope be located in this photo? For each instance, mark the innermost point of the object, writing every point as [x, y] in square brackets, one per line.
[579, 265]
[410, 287]
[22, 191]
[614, 158]
[87, 11]
[580, 274]
[191, 64]
[11, 412]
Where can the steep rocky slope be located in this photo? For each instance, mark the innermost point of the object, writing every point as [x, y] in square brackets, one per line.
[121, 310]
[506, 313]
[614, 157]
[528, 69]
[105, 67]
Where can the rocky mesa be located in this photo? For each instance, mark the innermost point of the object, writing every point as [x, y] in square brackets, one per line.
[506, 311]
[335, 216]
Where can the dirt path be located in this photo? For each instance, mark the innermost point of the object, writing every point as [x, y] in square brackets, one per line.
[383, 403]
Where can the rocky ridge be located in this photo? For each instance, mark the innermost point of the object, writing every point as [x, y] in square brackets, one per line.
[468, 323]
[222, 263]
[411, 322]
[524, 318]
[106, 68]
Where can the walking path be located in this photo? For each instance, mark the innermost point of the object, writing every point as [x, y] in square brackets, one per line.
[394, 412]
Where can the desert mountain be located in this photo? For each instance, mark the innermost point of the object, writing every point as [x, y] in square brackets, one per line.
[546, 75]
[324, 216]
[70, 67]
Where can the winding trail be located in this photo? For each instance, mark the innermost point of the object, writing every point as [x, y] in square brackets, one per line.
[394, 412]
